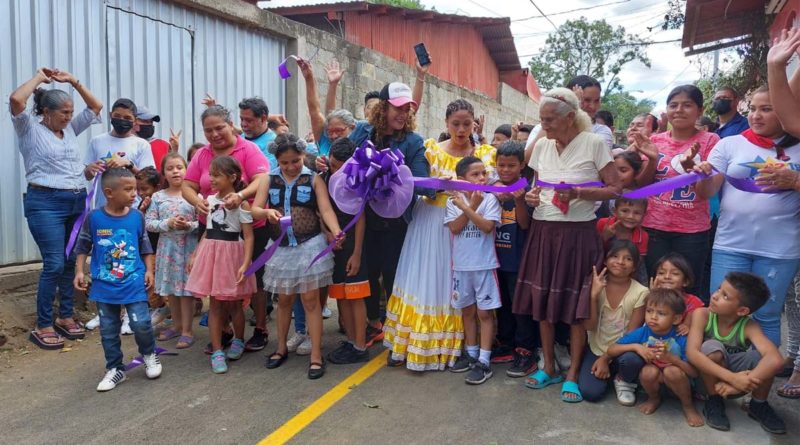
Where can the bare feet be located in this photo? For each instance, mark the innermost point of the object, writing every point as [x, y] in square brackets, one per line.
[650, 406]
[693, 418]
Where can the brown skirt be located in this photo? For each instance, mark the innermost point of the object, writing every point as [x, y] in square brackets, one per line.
[555, 274]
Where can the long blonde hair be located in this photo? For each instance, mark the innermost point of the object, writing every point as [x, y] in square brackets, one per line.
[565, 101]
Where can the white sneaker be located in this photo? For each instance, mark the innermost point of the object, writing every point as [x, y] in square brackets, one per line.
[326, 313]
[93, 324]
[112, 378]
[626, 392]
[540, 362]
[158, 315]
[562, 356]
[126, 325]
[305, 347]
[152, 366]
[295, 341]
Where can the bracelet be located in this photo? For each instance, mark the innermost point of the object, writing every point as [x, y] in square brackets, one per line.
[421, 79]
[240, 195]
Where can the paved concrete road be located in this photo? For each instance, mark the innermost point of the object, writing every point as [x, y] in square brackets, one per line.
[51, 398]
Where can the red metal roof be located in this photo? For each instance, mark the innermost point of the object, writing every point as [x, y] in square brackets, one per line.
[709, 22]
[495, 31]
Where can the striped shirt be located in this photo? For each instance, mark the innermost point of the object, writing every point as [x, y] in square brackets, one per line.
[50, 161]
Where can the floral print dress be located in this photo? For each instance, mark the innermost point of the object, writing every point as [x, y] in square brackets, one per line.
[174, 246]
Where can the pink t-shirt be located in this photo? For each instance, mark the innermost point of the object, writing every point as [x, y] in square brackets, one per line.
[679, 210]
[250, 158]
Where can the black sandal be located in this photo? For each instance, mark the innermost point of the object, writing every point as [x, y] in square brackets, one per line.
[314, 374]
[273, 363]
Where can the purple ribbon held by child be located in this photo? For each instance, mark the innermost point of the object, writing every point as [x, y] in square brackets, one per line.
[76, 228]
[285, 223]
[137, 361]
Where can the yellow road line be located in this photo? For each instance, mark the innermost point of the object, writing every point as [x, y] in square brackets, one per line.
[324, 403]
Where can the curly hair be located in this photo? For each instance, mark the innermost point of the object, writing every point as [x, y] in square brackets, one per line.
[377, 118]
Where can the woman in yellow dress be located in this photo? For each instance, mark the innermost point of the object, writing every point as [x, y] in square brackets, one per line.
[421, 328]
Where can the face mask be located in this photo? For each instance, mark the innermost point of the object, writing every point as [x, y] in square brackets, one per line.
[721, 106]
[146, 131]
[121, 126]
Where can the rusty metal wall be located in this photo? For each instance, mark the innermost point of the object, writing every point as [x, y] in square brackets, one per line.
[459, 54]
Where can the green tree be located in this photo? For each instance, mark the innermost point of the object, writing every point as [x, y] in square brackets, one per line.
[583, 47]
[408, 4]
[625, 107]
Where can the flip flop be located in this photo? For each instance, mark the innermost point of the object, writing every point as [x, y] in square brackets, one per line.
[184, 342]
[789, 391]
[37, 338]
[542, 380]
[570, 387]
[168, 334]
[70, 331]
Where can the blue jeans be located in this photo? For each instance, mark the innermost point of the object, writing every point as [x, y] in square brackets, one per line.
[50, 215]
[299, 315]
[110, 323]
[778, 275]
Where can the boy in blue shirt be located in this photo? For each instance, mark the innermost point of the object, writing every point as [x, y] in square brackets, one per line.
[516, 334]
[662, 352]
[122, 271]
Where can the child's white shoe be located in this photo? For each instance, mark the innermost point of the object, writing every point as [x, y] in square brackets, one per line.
[626, 392]
[296, 340]
[126, 325]
[305, 347]
[112, 378]
[152, 366]
[93, 324]
[562, 357]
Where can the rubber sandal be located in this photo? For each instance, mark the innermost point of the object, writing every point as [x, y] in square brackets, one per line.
[570, 387]
[168, 334]
[184, 342]
[70, 331]
[542, 380]
[789, 391]
[37, 338]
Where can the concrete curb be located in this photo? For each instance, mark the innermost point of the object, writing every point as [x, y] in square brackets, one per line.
[15, 277]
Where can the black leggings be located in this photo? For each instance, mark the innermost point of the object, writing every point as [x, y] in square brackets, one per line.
[382, 249]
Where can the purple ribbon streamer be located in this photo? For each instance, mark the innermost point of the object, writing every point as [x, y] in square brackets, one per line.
[449, 184]
[284, 71]
[140, 360]
[285, 222]
[565, 186]
[666, 185]
[332, 244]
[747, 185]
[76, 228]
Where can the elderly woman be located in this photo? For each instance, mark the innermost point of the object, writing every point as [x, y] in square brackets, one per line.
[556, 270]
[757, 232]
[56, 191]
[224, 140]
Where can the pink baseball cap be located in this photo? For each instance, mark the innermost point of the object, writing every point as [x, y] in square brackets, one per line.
[397, 94]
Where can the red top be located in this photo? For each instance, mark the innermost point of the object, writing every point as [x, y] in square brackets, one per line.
[638, 237]
[248, 155]
[679, 210]
[692, 303]
[160, 148]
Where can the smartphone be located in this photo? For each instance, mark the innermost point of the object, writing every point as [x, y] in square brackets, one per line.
[422, 54]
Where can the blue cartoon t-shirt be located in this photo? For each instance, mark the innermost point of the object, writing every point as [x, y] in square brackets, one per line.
[116, 244]
[675, 344]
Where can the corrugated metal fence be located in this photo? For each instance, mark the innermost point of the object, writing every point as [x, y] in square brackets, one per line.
[155, 52]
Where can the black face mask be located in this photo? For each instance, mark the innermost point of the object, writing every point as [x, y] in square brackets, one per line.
[721, 106]
[146, 131]
[121, 126]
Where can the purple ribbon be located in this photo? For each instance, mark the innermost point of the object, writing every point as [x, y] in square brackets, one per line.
[332, 244]
[748, 185]
[76, 228]
[140, 360]
[284, 71]
[565, 186]
[449, 184]
[666, 185]
[285, 223]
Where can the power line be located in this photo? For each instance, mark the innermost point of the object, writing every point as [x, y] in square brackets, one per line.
[614, 46]
[544, 15]
[668, 83]
[570, 11]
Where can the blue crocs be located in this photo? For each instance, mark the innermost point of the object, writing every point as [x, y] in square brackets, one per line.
[218, 363]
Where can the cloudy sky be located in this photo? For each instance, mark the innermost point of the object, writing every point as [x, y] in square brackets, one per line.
[668, 68]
